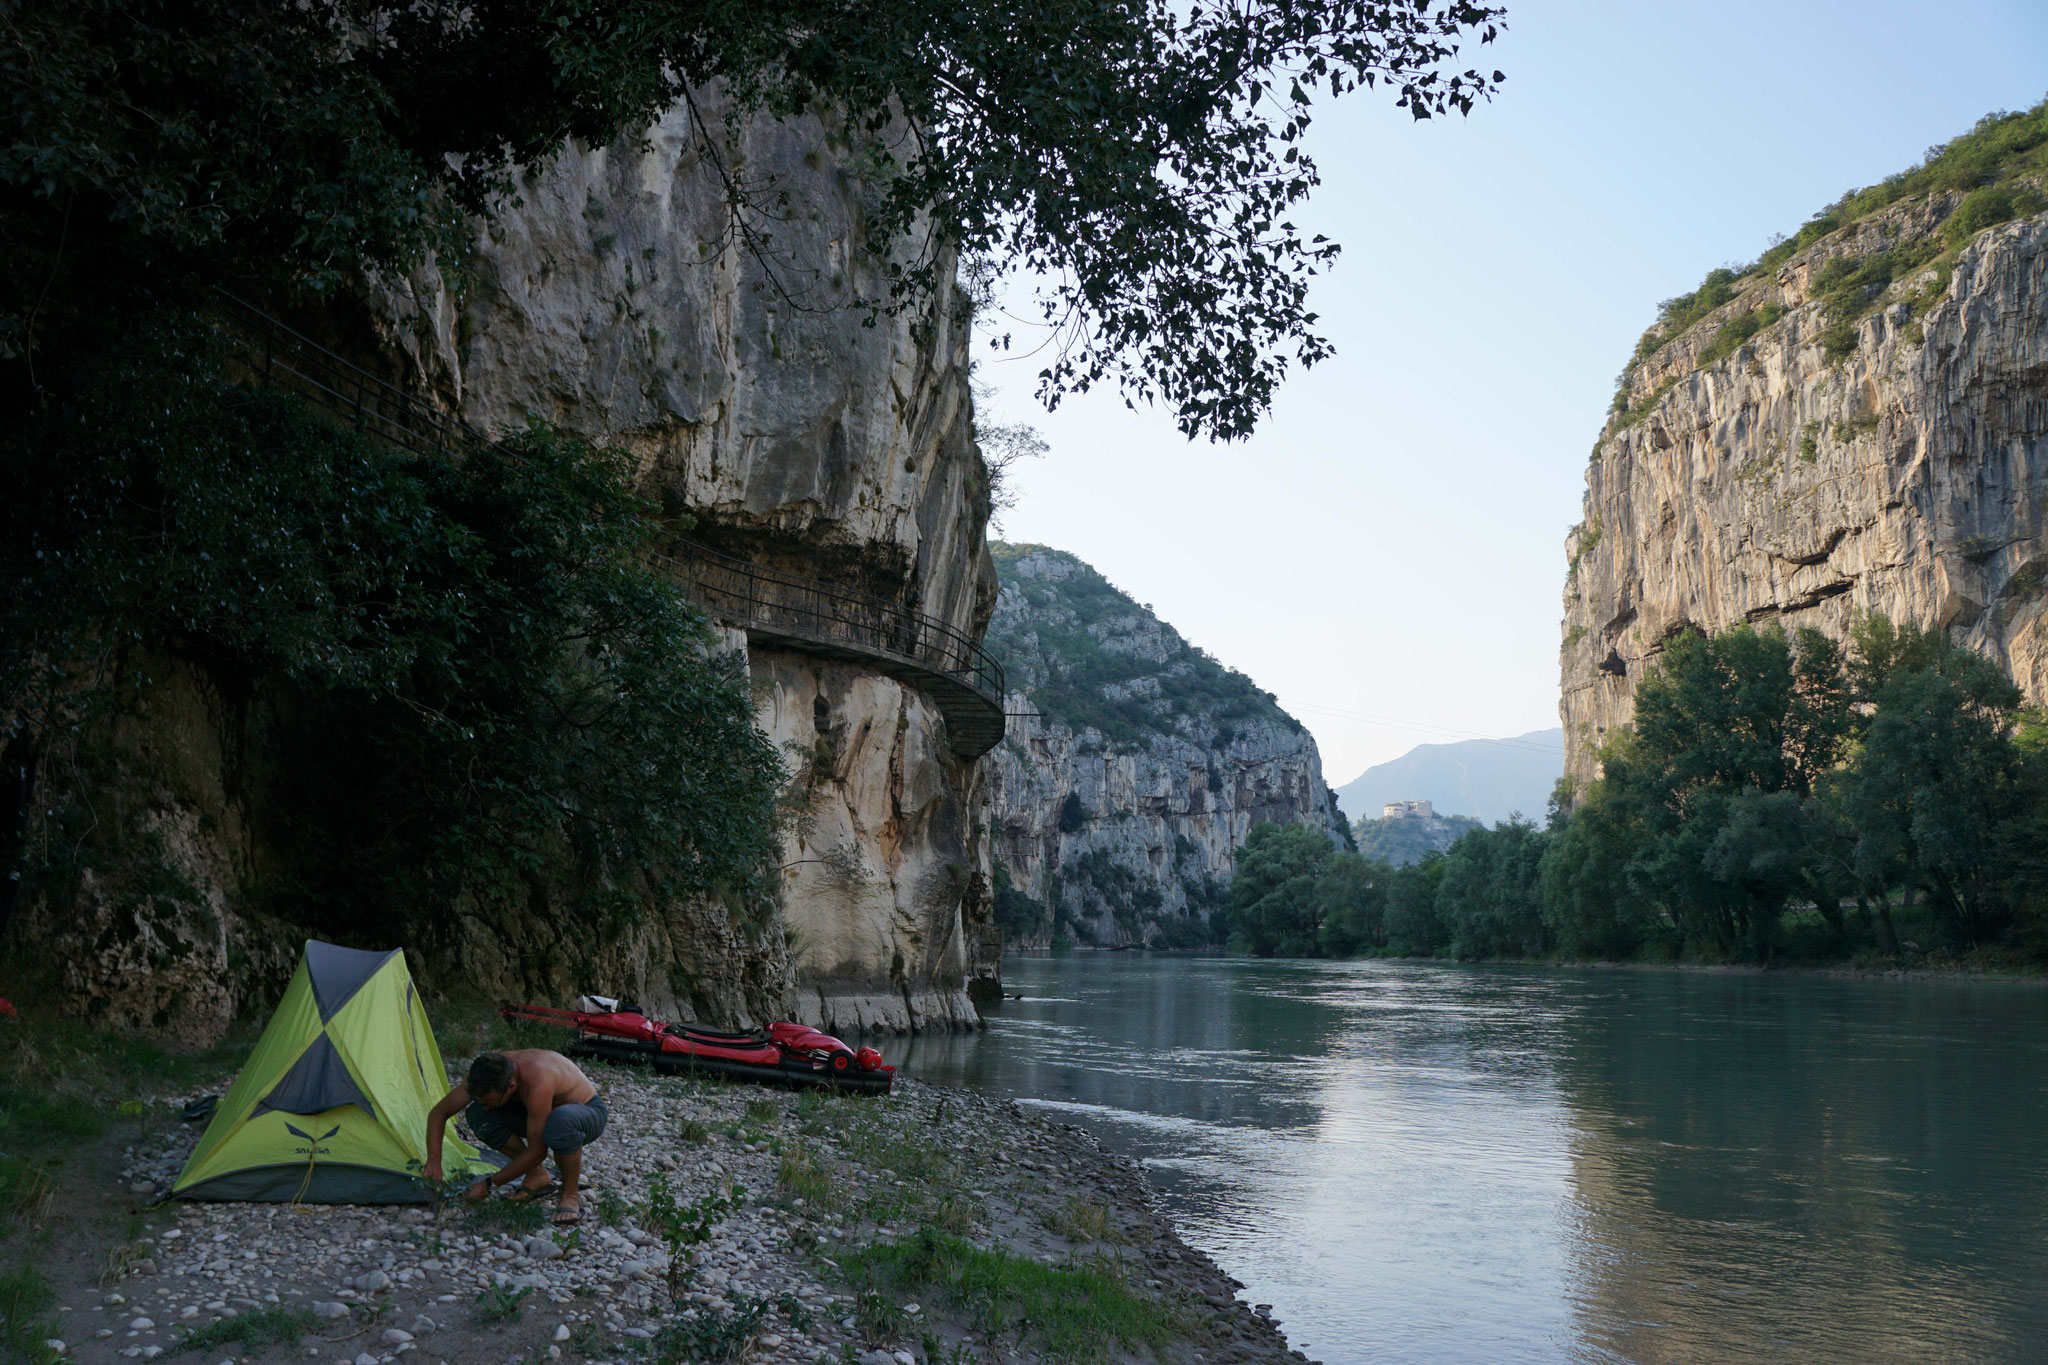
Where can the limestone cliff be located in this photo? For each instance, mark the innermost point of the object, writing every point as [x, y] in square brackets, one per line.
[617, 301]
[1861, 426]
[1117, 808]
[614, 301]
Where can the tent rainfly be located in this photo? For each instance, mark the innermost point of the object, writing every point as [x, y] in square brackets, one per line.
[331, 1107]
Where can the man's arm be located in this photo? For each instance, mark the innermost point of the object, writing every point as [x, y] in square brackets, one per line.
[452, 1103]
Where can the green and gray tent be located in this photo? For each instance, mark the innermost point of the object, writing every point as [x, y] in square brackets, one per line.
[331, 1107]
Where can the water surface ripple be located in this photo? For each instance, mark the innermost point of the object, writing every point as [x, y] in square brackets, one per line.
[1437, 1163]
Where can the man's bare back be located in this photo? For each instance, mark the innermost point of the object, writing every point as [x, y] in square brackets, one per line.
[542, 1072]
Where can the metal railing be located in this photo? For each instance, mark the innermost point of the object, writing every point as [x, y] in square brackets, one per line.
[279, 356]
[806, 608]
[804, 612]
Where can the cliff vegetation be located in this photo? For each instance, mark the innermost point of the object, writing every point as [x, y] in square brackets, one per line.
[458, 687]
[1993, 173]
[1137, 767]
[1844, 426]
[1089, 658]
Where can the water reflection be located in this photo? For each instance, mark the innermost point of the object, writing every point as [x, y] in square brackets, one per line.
[1809, 1169]
[1449, 1164]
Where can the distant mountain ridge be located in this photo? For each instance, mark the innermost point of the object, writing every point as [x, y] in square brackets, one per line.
[1476, 777]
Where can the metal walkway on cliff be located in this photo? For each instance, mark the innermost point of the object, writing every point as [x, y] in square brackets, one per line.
[774, 607]
[792, 612]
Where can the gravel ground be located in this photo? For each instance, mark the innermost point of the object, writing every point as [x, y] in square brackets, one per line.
[829, 1184]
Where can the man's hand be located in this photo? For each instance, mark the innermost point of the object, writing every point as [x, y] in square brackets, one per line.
[433, 1170]
[480, 1190]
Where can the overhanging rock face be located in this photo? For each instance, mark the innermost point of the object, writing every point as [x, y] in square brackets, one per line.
[1909, 478]
[804, 447]
[782, 610]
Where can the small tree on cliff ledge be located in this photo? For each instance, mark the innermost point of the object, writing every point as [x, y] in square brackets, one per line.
[1139, 157]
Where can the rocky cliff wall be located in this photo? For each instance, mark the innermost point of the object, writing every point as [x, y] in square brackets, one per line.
[1780, 483]
[614, 301]
[886, 890]
[168, 899]
[1116, 811]
[620, 301]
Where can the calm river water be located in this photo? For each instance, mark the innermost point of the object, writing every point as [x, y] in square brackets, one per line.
[1422, 1163]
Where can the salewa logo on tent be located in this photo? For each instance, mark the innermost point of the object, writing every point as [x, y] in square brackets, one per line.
[315, 1148]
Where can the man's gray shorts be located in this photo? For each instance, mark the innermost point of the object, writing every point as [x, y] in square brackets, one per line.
[569, 1126]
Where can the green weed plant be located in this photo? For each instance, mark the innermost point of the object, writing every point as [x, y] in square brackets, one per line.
[1072, 1312]
[255, 1331]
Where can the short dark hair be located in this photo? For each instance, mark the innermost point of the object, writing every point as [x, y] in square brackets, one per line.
[490, 1073]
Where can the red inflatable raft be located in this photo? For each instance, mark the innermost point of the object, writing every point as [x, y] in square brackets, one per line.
[781, 1054]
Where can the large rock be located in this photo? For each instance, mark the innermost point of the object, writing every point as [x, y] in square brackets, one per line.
[617, 301]
[140, 848]
[1910, 478]
[1119, 805]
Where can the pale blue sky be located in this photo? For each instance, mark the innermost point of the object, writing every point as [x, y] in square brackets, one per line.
[1389, 546]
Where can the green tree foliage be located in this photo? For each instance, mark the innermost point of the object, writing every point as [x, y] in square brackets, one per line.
[477, 689]
[1491, 897]
[1351, 906]
[1942, 800]
[1721, 725]
[1777, 795]
[1019, 916]
[1414, 928]
[1073, 814]
[1586, 906]
[1141, 160]
[1273, 890]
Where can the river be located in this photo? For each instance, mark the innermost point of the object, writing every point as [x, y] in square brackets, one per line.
[1484, 1164]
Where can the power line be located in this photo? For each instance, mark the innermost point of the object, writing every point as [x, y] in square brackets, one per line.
[1423, 727]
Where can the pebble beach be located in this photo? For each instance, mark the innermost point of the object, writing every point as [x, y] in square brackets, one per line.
[721, 1222]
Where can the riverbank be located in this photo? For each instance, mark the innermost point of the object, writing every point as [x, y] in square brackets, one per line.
[931, 1227]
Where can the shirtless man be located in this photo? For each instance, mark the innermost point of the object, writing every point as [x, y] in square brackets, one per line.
[525, 1103]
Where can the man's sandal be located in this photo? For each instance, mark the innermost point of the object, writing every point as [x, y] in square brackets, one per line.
[532, 1194]
[567, 1218]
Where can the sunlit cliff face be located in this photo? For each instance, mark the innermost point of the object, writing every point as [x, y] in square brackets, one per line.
[1775, 485]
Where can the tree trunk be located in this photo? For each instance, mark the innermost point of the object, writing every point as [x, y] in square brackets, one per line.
[1884, 919]
[1830, 908]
